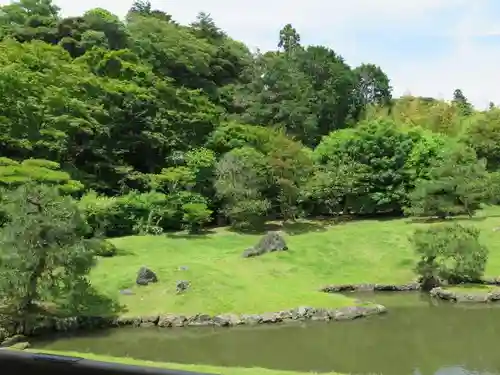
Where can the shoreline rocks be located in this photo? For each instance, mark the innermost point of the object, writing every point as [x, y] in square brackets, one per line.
[339, 288]
[408, 287]
[46, 326]
[458, 297]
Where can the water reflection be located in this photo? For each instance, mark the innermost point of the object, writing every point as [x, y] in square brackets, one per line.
[415, 337]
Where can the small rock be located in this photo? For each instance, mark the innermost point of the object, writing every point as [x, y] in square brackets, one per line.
[349, 313]
[251, 319]
[305, 311]
[270, 318]
[166, 320]
[124, 321]
[200, 320]
[150, 319]
[321, 314]
[13, 340]
[221, 321]
[179, 321]
[127, 292]
[183, 268]
[182, 286]
[250, 252]
[284, 315]
[145, 276]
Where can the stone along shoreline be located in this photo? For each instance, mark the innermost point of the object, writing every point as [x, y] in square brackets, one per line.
[44, 326]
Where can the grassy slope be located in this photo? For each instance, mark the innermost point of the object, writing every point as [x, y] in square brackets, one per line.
[175, 366]
[357, 252]
[472, 288]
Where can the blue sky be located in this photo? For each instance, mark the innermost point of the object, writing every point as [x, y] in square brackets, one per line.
[427, 47]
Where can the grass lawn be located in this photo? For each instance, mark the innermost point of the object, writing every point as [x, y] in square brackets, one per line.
[368, 251]
[473, 288]
[175, 366]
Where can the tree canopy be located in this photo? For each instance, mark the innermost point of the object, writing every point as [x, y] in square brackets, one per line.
[188, 123]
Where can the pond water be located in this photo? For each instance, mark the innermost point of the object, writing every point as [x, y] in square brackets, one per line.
[416, 337]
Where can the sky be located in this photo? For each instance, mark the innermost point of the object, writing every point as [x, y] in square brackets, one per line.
[426, 47]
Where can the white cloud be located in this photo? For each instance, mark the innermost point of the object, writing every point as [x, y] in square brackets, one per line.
[469, 65]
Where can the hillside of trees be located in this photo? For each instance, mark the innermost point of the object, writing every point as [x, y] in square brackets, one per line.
[154, 126]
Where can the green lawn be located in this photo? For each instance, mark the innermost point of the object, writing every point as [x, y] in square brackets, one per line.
[473, 288]
[369, 251]
[176, 366]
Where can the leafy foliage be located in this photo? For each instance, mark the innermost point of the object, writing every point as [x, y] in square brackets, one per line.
[14, 174]
[43, 253]
[449, 252]
[102, 247]
[457, 183]
[162, 126]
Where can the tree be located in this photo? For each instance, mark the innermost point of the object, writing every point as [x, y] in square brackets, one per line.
[457, 183]
[205, 27]
[14, 174]
[334, 187]
[241, 175]
[451, 253]
[289, 39]
[483, 135]
[382, 149]
[462, 103]
[373, 85]
[43, 254]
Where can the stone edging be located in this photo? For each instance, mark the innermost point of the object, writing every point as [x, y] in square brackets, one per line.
[51, 325]
[452, 296]
[488, 281]
[410, 287]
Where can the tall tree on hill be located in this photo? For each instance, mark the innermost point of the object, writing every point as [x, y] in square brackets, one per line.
[205, 27]
[289, 39]
[462, 103]
[373, 85]
[144, 8]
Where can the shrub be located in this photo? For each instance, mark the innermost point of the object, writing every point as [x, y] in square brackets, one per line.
[124, 215]
[43, 257]
[136, 213]
[382, 149]
[241, 175]
[456, 183]
[449, 252]
[195, 215]
[14, 174]
[102, 247]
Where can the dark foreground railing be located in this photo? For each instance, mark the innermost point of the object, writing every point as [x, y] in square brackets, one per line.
[17, 362]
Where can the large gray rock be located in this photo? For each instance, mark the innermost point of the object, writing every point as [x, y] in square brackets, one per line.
[145, 276]
[272, 241]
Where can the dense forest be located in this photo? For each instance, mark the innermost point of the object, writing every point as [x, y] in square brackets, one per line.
[153, 126]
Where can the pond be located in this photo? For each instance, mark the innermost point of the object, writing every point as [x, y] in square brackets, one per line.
[416, 337]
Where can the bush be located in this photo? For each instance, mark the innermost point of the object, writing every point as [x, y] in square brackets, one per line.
[195, 215]
[382, 149]
[125, 215]
[137, 213]
[241, 175]
[456, 183]
[14, 174]
[449, 252]
[43, 257]
[102, 247]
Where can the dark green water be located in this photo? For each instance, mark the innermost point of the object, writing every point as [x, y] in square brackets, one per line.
[416, 337]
